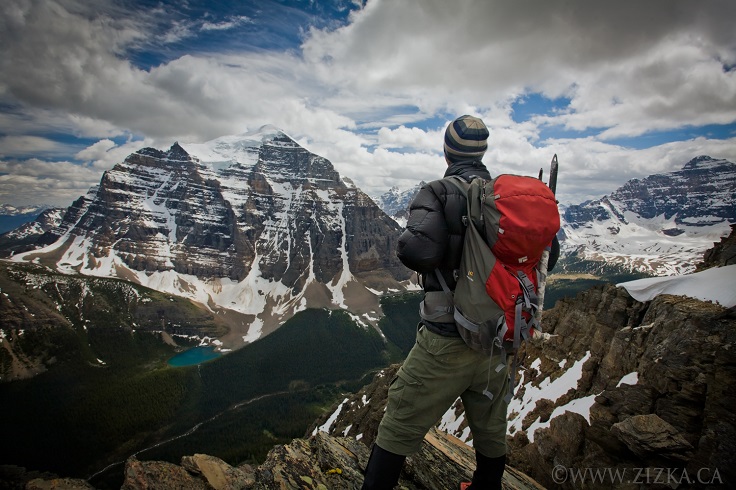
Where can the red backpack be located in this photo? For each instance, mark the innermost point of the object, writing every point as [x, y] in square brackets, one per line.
[510, 221]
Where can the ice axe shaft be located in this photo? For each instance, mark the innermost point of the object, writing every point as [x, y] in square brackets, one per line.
[544, 261]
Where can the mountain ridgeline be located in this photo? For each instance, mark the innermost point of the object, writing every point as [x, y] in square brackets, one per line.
[698, 195]
[257, 226]
[396, 202]
[659, 225]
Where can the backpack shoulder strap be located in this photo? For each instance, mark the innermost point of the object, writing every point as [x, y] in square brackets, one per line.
[459, 182]
[445, 287]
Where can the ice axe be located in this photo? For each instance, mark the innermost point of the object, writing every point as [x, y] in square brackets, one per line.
[545, 255]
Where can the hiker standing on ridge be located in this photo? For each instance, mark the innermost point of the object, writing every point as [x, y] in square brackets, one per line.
[441, 367]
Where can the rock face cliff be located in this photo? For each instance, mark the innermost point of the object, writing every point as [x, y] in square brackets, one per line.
[654, 390]
[698, 194]
[723, 253]
[258, 226]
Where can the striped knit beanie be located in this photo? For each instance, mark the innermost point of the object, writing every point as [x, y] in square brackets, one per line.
[466, 139]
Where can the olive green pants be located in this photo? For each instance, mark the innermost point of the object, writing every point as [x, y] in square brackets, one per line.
[437, 371]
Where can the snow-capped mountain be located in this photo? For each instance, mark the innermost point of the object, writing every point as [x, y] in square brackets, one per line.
[27, 235]
[12, 217]
[395, 202]
[254, 226]
[661, 224]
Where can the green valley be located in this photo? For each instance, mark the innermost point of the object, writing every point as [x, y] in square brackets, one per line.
[81, 415]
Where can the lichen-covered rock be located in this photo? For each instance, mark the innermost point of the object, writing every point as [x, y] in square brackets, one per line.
[58, 484]
[648, 435]
[155, 475]
[218, 474]
[322, 461]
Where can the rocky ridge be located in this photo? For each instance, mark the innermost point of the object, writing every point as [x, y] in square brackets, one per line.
[26, 222]
[653, 392]
[36, 301]
[723, 253]
[321, 461]
[699, 193]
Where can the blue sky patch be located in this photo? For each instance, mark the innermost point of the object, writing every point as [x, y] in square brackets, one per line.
[530, 105]
[557, 132]
[656, 138]
[233, 26]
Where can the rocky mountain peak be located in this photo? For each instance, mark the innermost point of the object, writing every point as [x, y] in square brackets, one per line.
[161, 157]
[176, 152]
[283, 159]
[395, 202]
[681, 194]
[704, 161]
[660, 224]
[252, 223]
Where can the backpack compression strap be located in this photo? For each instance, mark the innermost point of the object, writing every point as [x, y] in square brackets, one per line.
[522, 328]
[459, 318]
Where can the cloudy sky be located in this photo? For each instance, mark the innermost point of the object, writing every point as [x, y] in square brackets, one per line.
[617, 90]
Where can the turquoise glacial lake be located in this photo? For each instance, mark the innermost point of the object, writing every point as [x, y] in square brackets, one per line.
[194, 356]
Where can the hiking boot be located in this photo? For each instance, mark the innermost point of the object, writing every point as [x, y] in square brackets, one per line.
[383, 470]
[488, 473]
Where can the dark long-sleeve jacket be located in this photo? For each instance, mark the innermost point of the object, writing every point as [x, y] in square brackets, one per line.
[433, 238]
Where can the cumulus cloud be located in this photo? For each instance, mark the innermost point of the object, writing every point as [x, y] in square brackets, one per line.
[414, 138]
[105, 154]
[37, 181]
[361, 94]
[599, 54]
[96, 151]
[21, 145]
